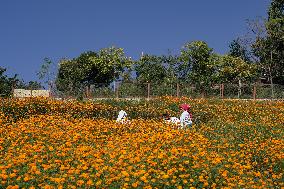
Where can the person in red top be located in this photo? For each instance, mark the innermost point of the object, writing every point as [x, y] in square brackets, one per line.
[186, 116]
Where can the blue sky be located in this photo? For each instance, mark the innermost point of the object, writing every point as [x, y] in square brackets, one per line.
[32, 30]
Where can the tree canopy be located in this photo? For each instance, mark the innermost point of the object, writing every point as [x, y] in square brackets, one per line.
[237, 49]
[270, 48]
[6, 83]
[197, 64]
[92, 68]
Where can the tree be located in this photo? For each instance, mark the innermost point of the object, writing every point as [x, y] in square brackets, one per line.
[127, 75]
[91, 68]
[108, 65]
[275, 23]
[31, 85]
[256, 30]
[270, 48]
[157, 69]
[171, 63]
[197, 64]
[160, 71]
[149, 69]
[6, 83]
[46, 72]
[275, 38]
[236, 70]
[239, 50]
[68, 81]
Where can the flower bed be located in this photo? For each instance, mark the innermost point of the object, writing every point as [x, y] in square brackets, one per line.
[54, 144]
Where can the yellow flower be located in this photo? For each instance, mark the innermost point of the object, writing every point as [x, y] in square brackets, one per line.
[165, 176]
[98, 183]
[80, 182]
[143, 178]
[26, 179]
[135, 184]
[50, 148]
[90, 182]
[124, 173]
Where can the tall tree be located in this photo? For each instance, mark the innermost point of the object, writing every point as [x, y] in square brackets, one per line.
[47, 71]
[91, 68]
[68, 79]
[237, 49]
[171, 64]
[275, 31]
[270, 48]
[236, 70]
[197, 64]
[108, 65]
[149, 69]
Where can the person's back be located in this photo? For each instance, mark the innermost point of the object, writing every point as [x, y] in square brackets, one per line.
[185, 118]
[174, 120]
[170, 120]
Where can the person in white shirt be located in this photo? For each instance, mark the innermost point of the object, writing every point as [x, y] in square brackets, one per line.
[186, 117]
[170, 120]
[122, 117]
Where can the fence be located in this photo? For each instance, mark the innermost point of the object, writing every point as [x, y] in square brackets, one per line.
[149, 90]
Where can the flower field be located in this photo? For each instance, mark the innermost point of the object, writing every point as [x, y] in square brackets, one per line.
[55, 144]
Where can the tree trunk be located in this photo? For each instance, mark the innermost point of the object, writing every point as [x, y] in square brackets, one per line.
[271, 78]
[177, 90]
[240, 89]
[271, 82]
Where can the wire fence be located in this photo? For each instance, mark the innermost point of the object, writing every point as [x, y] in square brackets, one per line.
[150, 90]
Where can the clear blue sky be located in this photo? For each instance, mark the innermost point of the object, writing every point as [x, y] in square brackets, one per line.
[32, 29]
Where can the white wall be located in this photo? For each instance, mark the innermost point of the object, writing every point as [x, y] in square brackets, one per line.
[21, 93]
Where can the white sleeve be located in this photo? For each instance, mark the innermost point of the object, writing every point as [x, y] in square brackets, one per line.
[121, 114]
[182, 117]
[174, 120]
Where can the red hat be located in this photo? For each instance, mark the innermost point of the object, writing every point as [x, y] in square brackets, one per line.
[185, 107]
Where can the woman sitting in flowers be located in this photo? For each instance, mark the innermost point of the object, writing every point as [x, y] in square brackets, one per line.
[186, 116]
[170, 120]
[122, 117]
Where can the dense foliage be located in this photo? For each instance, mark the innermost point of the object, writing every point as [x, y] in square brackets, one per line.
[6, 83]
[97, 68]
[270, 48]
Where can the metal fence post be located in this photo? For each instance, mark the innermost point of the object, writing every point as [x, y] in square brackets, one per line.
[254, 91]
[222, 90]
